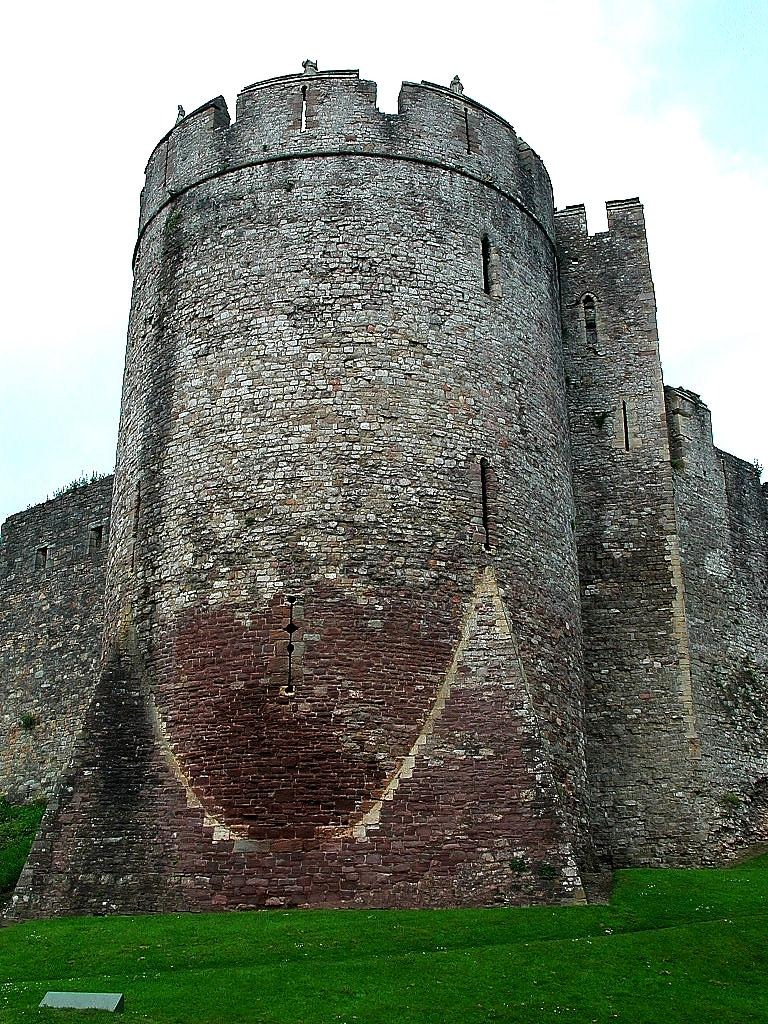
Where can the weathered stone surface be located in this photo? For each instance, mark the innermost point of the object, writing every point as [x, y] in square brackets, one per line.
[674, 571]
[722, 516]
[642, 742]
[50, 633]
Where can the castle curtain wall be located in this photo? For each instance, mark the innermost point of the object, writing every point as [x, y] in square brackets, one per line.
[52, 570]
[722, 513]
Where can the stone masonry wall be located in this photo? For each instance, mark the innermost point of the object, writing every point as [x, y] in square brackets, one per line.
[722, 514]
[52, 569]
[642, 738]
[343, 412]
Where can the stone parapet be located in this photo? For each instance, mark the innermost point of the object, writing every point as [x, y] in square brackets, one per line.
[303, 117]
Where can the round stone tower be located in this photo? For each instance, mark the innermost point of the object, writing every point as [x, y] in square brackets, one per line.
[342, 600]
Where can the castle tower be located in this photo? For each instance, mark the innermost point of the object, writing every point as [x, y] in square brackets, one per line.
[342, 659]
[643, 743]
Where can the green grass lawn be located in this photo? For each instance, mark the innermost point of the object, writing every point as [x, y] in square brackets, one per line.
[672, 946]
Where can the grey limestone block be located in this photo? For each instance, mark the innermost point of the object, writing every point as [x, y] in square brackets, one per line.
[113, 1002]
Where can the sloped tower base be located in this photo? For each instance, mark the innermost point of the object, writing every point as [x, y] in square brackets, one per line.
[469, 817]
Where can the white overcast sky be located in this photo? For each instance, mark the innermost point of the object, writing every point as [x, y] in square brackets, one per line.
[663, 100]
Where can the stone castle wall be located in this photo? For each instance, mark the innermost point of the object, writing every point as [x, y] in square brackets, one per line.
[52, 569]
[344, 386]
[421, 590]
[722, 514]
[642, 740]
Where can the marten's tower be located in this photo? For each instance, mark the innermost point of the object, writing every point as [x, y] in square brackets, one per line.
[342, 599]
[379, 404]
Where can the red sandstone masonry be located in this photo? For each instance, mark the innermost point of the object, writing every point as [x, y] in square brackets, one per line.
[439, 840]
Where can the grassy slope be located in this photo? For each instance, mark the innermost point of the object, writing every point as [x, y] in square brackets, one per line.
[673, 946]
[18, 826]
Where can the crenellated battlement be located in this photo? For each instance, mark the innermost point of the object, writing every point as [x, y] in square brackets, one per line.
[334, 113]
[624, 216]
[692, 445]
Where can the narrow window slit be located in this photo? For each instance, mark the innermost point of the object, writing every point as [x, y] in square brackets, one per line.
[290, 689]
[136, 512]
[303, 108]
[590, 320]
[486, 246]
[484, 487]
[466, 130]
[625, 423]
[135, 526]
[41, 558]
[95, 539]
